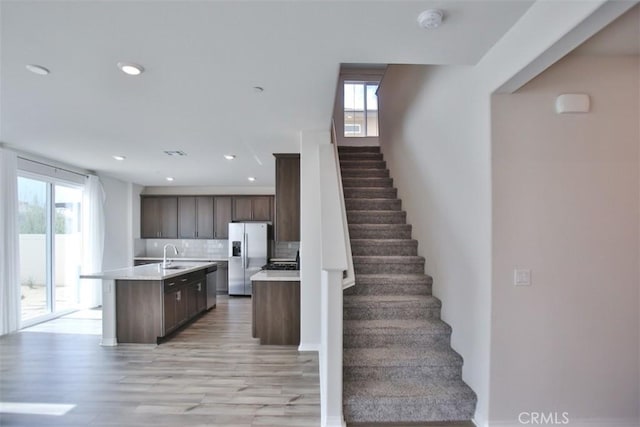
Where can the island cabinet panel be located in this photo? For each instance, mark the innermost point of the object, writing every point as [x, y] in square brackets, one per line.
[276, 312]
[139, 311]
[287, 200]
[195, 217]
[222, 217]
[150, 309]
[159, 217]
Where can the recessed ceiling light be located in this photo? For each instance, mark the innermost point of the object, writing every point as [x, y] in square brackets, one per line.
[229, 156]
[258, 89]
[252, 178]
[38, 69]
[130, 68]
[120, 158]
[179, 153]
[169, 178]
[431, 18]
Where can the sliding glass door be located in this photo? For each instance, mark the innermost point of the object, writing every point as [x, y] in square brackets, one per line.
[50, 246]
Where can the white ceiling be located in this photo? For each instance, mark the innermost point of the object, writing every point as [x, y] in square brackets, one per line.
[202, 59]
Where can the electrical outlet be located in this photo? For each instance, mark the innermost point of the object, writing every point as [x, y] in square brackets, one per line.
[522, 277]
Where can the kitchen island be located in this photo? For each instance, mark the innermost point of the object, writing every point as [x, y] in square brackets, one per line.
[276, 307]
[146, 303]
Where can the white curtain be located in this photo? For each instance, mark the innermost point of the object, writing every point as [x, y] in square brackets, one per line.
[92, 241]
[9, 246]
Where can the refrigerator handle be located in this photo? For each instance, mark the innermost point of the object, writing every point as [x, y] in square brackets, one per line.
[246, 251]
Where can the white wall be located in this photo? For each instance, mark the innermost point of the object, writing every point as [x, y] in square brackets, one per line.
[120, 212]
[566, 205]
[436, 137]
[310, 239]
[432, 128]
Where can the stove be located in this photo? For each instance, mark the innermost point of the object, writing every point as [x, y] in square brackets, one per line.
[280, 266]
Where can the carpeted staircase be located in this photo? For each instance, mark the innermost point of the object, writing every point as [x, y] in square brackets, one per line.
[398, 363]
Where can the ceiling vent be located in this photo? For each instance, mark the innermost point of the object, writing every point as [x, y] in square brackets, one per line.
[175, 153]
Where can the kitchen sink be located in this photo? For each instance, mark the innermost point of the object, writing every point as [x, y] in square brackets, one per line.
[175, 267]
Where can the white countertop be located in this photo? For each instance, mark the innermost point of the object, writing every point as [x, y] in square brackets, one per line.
[277, 276]
[149, 271]
[176, 259]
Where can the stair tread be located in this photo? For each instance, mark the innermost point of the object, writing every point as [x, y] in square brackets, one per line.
[424, 326]
[384, 241]
[390, 390]
[393, 277]
[368, 300]
[377, 212]
[387, 259]
[402, 356]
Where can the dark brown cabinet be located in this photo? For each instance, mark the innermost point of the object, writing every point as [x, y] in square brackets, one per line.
[287, 199]
[222, 217]
[252, 208]
[199, 217]
[159, 217]
[150, 309]
[276, 312]
[195, 217]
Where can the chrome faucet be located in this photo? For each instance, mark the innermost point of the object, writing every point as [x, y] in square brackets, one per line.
[166, 263]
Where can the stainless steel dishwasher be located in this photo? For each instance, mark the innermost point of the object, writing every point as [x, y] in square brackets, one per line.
[212, 272]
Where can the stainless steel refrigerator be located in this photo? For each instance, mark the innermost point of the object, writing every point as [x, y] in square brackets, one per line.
[247, 254]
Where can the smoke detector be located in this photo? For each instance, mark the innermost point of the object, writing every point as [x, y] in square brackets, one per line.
[431, 18]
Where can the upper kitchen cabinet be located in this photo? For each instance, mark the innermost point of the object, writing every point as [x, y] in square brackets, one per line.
[253, 208]
[159, 217]
[195, 217]
[222, 217]
[287, 200]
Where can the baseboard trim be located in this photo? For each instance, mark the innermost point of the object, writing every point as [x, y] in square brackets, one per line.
[309, 347]
[334, 422]
[109, 342]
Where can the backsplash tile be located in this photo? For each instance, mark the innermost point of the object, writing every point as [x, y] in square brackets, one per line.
[285, 250]
[187, 248]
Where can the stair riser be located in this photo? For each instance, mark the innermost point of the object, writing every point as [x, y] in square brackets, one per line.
[367, 182]
[376, 217]
[399, 410]
[391, 313]
[358, 149]
[392, 250]
[360, 156]
[390, 232]
[370, 193]
[373, 204]
[388, 268]
[389, 289]
[363, 164]
[424, 374]
[363, 339]
[364, 173]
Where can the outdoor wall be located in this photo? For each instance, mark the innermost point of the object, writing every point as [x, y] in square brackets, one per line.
[67, 260]
[566, 206]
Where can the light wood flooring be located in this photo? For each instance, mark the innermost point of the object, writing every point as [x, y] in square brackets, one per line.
[210, 374]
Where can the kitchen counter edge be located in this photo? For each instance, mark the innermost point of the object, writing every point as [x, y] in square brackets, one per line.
[148, 272]
[277, 276]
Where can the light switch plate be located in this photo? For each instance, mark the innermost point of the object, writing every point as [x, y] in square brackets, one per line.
[522, 277]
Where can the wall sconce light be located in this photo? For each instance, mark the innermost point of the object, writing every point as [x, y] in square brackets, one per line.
[573, 103]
